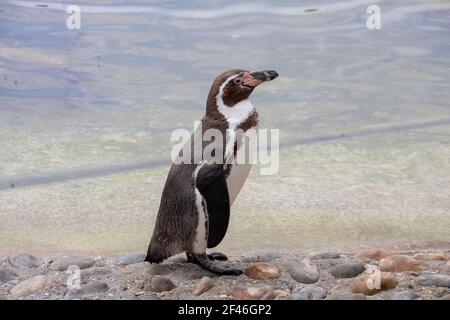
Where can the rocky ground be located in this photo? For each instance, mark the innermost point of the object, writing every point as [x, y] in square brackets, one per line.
[269, 274]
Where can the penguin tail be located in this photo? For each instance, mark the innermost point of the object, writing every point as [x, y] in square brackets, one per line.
[154, 254]
[153, 259]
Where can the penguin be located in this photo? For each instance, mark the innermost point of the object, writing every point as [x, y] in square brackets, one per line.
[196, 199]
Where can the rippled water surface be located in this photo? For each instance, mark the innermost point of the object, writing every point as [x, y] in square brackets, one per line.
[364, 118]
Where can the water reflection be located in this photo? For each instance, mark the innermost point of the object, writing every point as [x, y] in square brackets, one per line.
[369, 108]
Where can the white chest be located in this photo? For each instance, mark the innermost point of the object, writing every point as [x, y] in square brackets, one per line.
[241, 169]
[236, 179]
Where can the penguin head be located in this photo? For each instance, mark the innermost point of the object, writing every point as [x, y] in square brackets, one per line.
[234, 86]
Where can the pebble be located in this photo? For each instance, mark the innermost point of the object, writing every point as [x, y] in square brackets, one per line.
[159, 284]
[431, 256]
[94, 287]
[434, 280]
[96, 271]
[304, 271]
[63, 263]
[366, 284]
[129, 258]
[159, 269]
[308, 292]
[29, 286]
[88, 290]
[347, 296]
[374, 254]
[446, 267]
[262, 270]
[185, 271]
[6, 275]
[348, 270]
[123, 295]
[401, 263]
[24, 261]
[446, 297]
[404, 295]
[326, 255]
[264, 293]
[263, 255]
[282, 294]
[204, 285]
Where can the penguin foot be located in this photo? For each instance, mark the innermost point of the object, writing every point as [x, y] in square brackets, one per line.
[204, 261]
[217, 256]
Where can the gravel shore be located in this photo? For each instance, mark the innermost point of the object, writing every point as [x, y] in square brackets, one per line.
[269, 274]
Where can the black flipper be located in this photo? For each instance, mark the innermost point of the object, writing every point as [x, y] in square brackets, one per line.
[212, 185]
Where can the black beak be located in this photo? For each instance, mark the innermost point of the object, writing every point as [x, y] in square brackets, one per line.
[266, 75]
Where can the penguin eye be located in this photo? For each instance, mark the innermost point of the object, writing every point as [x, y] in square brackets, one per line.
[237, 81]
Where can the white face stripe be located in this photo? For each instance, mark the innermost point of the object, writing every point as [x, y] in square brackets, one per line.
[238, 113]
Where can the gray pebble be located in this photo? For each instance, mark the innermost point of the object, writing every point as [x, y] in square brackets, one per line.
[347, 296]
[160, 269]
[159, 284]
[129, 258]
[435, 280]
[29, 286]
[326, 255]
[348, 270]
[90, 289]
[24, 261]
[304, 271]
[204, 285]
[309, 292]
[261, 255]
[6, 275]
[123, 295]
[96, 271]
[63, 263]
[404, 295]
[186, 271]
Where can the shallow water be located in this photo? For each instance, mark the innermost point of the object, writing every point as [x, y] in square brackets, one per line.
[364, 118]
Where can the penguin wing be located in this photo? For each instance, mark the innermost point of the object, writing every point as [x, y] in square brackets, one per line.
[212, 185]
